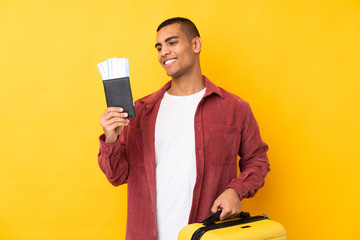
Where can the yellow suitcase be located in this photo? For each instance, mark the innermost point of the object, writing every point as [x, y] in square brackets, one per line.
[244, 227]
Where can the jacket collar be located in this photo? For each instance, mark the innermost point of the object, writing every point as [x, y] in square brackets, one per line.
[211, 88]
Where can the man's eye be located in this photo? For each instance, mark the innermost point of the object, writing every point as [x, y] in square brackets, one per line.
[158, 49]
[173, 43]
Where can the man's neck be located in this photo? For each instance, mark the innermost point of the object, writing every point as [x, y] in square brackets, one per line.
[187, 85]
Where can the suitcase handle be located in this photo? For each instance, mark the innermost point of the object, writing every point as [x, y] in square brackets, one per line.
[216, 217]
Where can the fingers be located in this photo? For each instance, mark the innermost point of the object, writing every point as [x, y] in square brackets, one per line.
[216, 207]
[115, 120]
[112, 109]
[229, 202]
[229, 213]
[226, 211]
[112, 115]
[112, 121]
[113, 112]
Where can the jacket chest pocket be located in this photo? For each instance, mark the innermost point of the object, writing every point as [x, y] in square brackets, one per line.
[223, 145]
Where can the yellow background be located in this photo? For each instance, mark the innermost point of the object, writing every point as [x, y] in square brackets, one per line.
[296, 62]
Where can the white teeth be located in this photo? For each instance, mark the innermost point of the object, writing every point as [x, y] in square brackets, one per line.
[169, 61]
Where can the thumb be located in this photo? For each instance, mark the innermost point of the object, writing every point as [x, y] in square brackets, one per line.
[216, 206]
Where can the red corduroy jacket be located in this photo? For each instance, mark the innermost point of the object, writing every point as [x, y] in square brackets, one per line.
[224, 128]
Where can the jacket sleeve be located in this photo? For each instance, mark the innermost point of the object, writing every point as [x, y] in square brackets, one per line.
[254, 164]
[112, 159]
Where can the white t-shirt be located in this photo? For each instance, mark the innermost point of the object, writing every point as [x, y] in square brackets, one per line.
[175, 162]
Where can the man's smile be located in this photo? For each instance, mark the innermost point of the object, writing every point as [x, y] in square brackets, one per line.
[169, 61]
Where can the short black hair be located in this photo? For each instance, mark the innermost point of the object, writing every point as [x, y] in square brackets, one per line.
[187, 26]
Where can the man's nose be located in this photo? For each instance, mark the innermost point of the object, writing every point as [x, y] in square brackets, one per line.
[164, 51]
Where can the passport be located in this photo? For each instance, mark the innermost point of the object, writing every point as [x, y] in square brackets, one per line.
[115, 75]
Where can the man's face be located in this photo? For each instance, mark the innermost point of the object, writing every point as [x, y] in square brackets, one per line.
[175, 51]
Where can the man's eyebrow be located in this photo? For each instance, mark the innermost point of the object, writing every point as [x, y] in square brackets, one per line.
[166, 40]
[169, 38]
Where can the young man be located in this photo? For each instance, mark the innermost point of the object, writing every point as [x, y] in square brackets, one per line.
[179, 155]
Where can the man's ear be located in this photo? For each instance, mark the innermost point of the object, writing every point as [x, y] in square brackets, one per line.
[197, 44]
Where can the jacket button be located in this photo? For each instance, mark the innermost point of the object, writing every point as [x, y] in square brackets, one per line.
[107, 149]
[243, 191]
